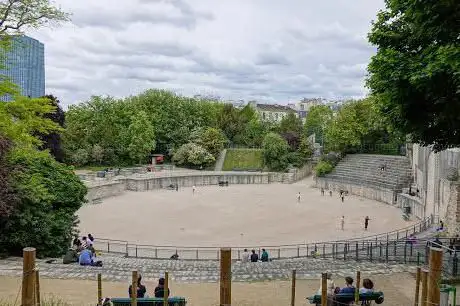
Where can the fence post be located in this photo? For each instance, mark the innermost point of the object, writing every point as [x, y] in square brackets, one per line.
[37, 288]
[298, 251]
[293, 287]
[197, 255]
[324, 289]
[279, 253]
[411, 249]
[324, 250]
[405, 252]
[156, 253]
[28, 275]
[418, 258]
[108, 246]
[455, 264]
[358, 284]
[435, 275]
[417, 286]
[406, 234]
[136, 250]
[397, 235]
[395, 249]
[134, 288]
[225, 277]
[127, 250]
[381, 253]
[424, 287]
[166, 289]
[386, 253]
[357, 250]
[370, 253]
[344, 251]
[99, 288]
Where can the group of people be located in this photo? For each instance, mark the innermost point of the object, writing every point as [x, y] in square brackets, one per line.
[83, 252]
[332, 290]
[342, 193]
[159, 291]
[253, 256]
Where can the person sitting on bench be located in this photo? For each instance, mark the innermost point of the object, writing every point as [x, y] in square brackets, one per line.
[141, 290]
[349, 288]
[160, 289]
[368, 287]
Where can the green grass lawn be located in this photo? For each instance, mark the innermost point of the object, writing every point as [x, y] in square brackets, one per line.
[243, 159]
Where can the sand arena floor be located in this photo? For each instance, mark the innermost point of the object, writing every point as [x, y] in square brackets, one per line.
[238, 215]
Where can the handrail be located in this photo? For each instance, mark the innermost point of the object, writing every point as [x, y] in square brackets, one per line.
[394, 235]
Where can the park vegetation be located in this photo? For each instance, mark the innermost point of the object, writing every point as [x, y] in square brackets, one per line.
[39, 196]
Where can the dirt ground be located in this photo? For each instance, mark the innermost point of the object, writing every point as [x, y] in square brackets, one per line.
[238, 215]
[398, 290]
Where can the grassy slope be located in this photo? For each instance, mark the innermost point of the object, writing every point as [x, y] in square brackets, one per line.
[243, 159]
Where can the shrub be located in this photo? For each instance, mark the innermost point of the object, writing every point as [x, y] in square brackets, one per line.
[192, 155]
[323, 167]
[80, 157]
[275, 150]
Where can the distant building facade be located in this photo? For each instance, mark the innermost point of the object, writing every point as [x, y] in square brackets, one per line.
[303, 106]
[271, 112]
[25, 66]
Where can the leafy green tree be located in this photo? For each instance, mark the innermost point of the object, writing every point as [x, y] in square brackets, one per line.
[142, 137]
[23, 119]
[415, 73]
[19, 14]
[52, 141]
[230, 122]
[193, 155]
[97, 153]
[305, 148]
[254, 133]
[213, 140]
[275, 150]
[8, 197]
[50, 194]
[319, 117]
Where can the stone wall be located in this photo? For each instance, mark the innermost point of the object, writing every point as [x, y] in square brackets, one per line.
[101, 190]
[292, 176]
[374, 193]
[416, 206]
[452, 219]
[144, 184]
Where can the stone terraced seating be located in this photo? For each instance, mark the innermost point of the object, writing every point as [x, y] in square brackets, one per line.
[172, 301]
[366, 169]
[346, 298]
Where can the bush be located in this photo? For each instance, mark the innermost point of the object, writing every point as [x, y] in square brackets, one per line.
[49, 196]
[80, 157]
[323, 168]
[192, 155]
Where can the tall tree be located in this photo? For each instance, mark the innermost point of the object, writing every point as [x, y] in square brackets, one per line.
[318, 118]
[275, 150]
[415, 73]
[142, 137]
[8, 197]
[15, 15]
[52, 141]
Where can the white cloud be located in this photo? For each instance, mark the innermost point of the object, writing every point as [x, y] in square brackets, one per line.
[276, 51]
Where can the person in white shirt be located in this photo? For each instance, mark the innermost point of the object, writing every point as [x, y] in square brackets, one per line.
[193, 189]
[245, 256]
[298, 197]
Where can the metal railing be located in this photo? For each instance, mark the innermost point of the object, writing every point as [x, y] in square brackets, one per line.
[330, 249]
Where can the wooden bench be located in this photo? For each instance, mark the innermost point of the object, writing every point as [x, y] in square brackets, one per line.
[377, 297]
[223, 183]
[172, 301]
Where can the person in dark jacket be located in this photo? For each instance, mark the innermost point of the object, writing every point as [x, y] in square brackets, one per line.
[254, 256]
[160, 289]
[264, 256]
[141, 290]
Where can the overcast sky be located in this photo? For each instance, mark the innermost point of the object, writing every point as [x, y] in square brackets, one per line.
[268, 50]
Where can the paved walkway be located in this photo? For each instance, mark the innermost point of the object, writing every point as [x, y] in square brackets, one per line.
[117, 268]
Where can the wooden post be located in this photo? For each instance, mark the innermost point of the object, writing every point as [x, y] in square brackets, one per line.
[99, 288]
[417, 287]
[166, 289]
[28, 275]
[37, 288]
[225, 277]
[357, 285]
[424, 288]
[293, 288]
[134, 289]
[435, 276]
[324, 289]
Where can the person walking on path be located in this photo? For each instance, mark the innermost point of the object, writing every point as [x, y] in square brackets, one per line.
[366, 222]
[193, 189]
[298, 197]
[330, 193]
[342, 196]
[322, 191]
[342, 223]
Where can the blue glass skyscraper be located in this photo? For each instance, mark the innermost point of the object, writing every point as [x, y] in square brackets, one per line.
[25, 66]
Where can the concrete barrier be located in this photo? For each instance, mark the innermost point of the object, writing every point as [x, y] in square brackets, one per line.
[101, 190]
[370, 192]
[415, 204]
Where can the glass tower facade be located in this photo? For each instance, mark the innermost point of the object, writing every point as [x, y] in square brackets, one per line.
[25, 66]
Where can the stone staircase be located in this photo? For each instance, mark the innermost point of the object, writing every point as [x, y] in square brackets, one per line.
[365, 169]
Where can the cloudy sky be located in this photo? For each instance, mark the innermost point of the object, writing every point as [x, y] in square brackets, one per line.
[268, 50]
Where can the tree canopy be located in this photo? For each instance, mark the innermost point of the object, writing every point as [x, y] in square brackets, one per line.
[416, 72]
